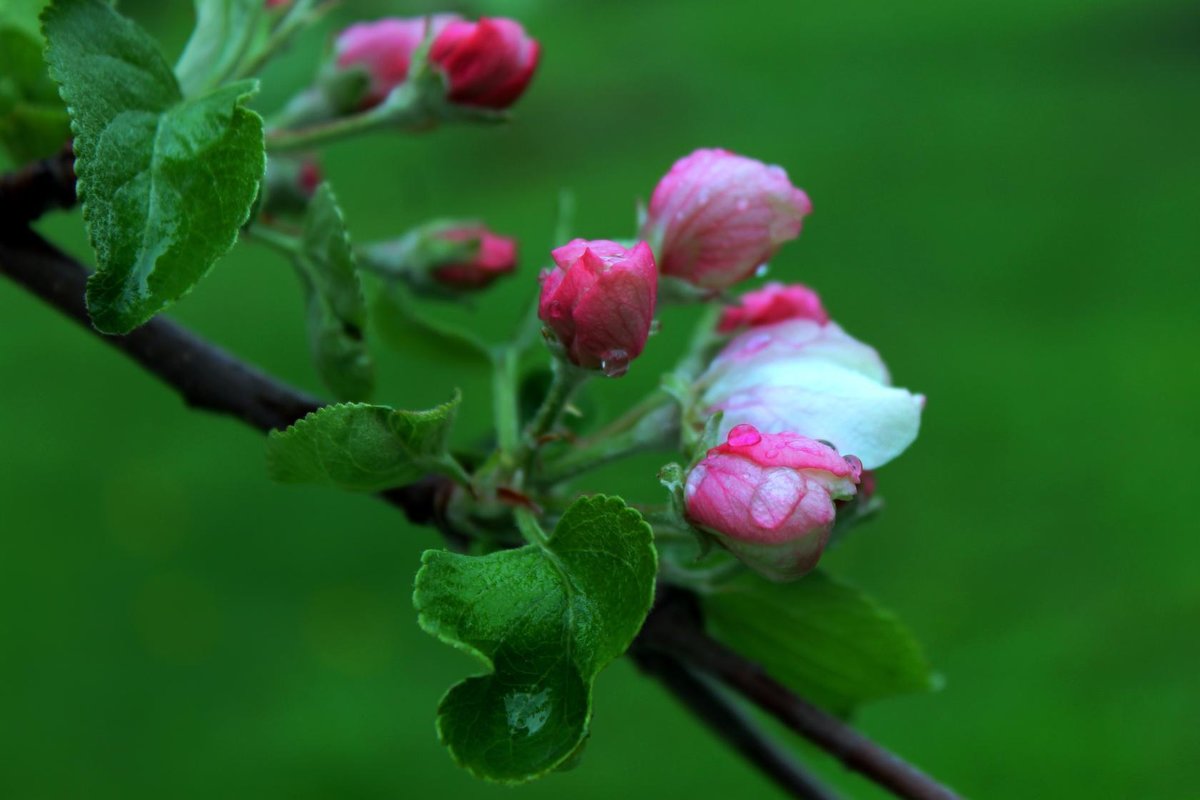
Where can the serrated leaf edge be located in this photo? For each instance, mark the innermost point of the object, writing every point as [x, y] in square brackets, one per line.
[604, 501]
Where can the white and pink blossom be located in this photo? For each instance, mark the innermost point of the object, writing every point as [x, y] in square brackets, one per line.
[804, 377]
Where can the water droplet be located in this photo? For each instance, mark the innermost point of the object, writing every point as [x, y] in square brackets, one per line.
[743, 204]
[704, 195]
[762, 270]
[527, 712]
[655, 326]
[744, 436]
[614, 363]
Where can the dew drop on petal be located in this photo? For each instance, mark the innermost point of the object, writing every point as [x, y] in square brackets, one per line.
[744, 436]
[743, 204]
[655, 326]
[614, 363]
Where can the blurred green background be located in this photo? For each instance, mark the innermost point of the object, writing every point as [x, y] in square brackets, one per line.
[1007, 199]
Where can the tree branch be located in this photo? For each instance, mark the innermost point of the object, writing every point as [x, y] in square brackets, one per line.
[675, 627]
[29, 192]
[730, 723]
[211, 379]
[205, 376]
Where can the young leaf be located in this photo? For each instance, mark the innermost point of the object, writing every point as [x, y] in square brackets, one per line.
[364, 448]
[337, 309]
[823, 638]
[226, 32]
[544, 620]
[165, 182]
[33, 121]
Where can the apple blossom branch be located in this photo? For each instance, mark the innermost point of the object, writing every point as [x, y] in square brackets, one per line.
[672, 641]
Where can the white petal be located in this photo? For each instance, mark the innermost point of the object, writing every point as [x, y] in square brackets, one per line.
[822, 400]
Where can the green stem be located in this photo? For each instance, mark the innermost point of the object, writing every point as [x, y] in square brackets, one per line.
[300, 15]
[651, 431]
[504, 401]
[529, 527]
[566, 380]
[277, 240]
[406, 113]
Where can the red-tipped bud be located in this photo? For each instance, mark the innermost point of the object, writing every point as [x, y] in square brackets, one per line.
[718, 217]
[493, 256]
[769, 498]
[773, 303]
[487, 63]
[384, 48]
[599, 302]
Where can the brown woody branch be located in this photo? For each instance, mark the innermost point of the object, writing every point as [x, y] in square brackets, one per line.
[671, 643]
[204, 375]
[675, 627]
[728, 722]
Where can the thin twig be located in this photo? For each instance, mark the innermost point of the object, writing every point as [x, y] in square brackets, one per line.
[674, 627]
[731, 724]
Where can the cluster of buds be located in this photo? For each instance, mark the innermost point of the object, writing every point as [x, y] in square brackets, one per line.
[804, 407]
[452, 66]
[486, 64]
[792, 375]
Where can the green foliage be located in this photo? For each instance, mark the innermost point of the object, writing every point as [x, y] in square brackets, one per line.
[363, 447]
[826, 640]
[165, 182]
[337, 309]
[544, 619]
[33, 122]
[226, 32]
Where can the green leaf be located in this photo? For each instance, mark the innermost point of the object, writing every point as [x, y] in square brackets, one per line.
[364, 448]
[824, 639]
[544, 619]
[33, 120]
[226, 32]
[406, 329]
[165, 182]
[337, 309]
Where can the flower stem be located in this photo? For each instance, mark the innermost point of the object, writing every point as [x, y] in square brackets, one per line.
[566, 380]
[504, 401]
[300, 15]
[276, 239]
[657, 428]
[403, 110]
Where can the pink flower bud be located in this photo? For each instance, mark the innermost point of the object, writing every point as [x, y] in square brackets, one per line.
[773, 303]
[769, 498]
[719, 216]
[384, 48]
[494, 257]
[488, 63]
[599, 302]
